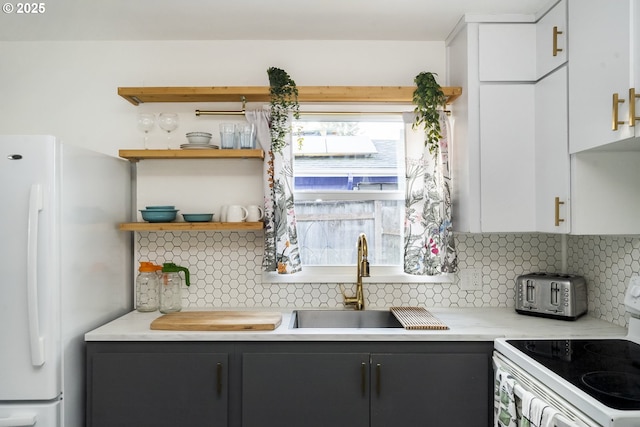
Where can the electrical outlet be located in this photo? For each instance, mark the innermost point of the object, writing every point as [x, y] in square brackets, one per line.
[470, 279]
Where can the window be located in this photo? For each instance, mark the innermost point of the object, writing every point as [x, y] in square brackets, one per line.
[349, 177]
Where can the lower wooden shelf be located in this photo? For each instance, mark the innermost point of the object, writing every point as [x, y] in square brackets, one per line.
[191, 226]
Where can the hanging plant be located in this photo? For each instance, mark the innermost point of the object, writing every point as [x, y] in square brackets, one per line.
[284, 100]
[428, 99]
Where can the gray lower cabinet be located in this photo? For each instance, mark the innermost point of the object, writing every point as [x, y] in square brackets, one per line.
[289, 384]
[305, 389]
[156, 385]
[442, 389]
[368, 384]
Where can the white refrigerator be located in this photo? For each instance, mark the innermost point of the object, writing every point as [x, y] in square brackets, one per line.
[65, 269]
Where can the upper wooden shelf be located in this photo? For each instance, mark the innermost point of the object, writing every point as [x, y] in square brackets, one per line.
[136, 155]
[362, 94]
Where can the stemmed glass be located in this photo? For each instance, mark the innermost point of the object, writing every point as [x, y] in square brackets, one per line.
[146, 122]
[168, 122]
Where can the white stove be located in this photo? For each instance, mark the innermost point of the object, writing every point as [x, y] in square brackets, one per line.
[594, 381]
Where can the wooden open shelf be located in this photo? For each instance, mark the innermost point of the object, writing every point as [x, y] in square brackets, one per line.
[191, 226]
[136, 155]
[361, 94]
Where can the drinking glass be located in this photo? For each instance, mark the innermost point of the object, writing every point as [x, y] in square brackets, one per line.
[227, 135]
[169, 123]
[246, 135]
[146, 122]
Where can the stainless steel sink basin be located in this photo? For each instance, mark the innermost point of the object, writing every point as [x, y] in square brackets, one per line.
[344, 319]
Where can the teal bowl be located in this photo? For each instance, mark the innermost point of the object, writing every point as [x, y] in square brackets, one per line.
[163, 208]
[197, 217]
[159, 215]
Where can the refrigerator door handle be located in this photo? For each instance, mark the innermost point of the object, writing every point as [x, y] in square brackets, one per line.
[36, 341]
[18, 421]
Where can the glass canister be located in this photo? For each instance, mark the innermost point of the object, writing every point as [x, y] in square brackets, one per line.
[147, 287]
[171, 287]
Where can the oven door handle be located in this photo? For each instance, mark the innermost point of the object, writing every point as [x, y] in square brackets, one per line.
[523, 381]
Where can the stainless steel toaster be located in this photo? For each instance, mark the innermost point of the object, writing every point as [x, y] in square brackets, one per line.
[561, 296]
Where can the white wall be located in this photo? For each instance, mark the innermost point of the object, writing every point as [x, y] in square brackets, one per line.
[69, 88]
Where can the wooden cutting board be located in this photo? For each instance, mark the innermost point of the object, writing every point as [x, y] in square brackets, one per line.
[218, 321]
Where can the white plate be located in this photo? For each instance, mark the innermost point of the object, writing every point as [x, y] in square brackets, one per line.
[198, 147]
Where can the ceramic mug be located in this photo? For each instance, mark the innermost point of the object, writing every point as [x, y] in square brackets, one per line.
[254, 213]
[236, 213]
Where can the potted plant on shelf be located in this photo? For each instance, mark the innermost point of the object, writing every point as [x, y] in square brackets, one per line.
[284, 100]
[428, 99]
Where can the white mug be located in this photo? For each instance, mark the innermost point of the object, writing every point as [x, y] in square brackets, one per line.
[254, 213]
[236, 213]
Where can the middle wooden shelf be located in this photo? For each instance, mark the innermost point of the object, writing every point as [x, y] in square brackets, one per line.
[191, 226]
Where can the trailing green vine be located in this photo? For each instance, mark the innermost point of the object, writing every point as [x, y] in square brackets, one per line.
[428, 98]
[284, 100]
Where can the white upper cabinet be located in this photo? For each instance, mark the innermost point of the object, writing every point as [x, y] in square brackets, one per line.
[523, 52]
[505, 52]
[552, 163]
[507, 150]
[551, 40]
[510, 154]
[601, 53]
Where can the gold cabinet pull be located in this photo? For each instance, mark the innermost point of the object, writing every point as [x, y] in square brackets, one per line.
[558, 219]
[219, 378]
[632, 106]
[614, 120]
[556, 33]
[378, 379]
[363, 378]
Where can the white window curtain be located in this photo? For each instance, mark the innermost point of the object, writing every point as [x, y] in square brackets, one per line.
[429, 247]
[281, 250]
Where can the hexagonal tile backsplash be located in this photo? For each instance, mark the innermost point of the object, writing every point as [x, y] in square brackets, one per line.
[226, 271]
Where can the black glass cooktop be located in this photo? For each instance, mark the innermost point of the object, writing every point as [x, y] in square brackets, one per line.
[608, 370]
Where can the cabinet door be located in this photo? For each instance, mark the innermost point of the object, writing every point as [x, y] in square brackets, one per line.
[305, 389]
[507, 156]
[507, 52]
[551, 40]
[552, 153]
[600, 57]
[158, 389]
[439, 389]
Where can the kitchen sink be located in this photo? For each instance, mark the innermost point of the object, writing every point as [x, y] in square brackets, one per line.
[344, 319]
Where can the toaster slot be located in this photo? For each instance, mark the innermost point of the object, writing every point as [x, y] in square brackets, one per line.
[555, 293]
[530, 293]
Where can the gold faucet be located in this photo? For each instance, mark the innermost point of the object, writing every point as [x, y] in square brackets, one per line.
[362, 267]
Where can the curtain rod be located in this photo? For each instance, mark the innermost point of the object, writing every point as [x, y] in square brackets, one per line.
[314, 113]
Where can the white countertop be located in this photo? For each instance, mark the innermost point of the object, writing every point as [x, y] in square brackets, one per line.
[465, 324]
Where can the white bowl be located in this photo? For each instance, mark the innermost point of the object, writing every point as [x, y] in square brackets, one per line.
[199, 134]
[199, 139]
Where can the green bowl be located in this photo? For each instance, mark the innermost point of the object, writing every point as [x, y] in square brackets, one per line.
[163, 208]
[197, 217]
[158, 215]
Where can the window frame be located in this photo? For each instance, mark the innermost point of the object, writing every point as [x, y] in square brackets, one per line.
[346, 273]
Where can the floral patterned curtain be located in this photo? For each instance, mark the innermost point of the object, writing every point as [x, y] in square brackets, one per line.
[429, 247]
[281, 251]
